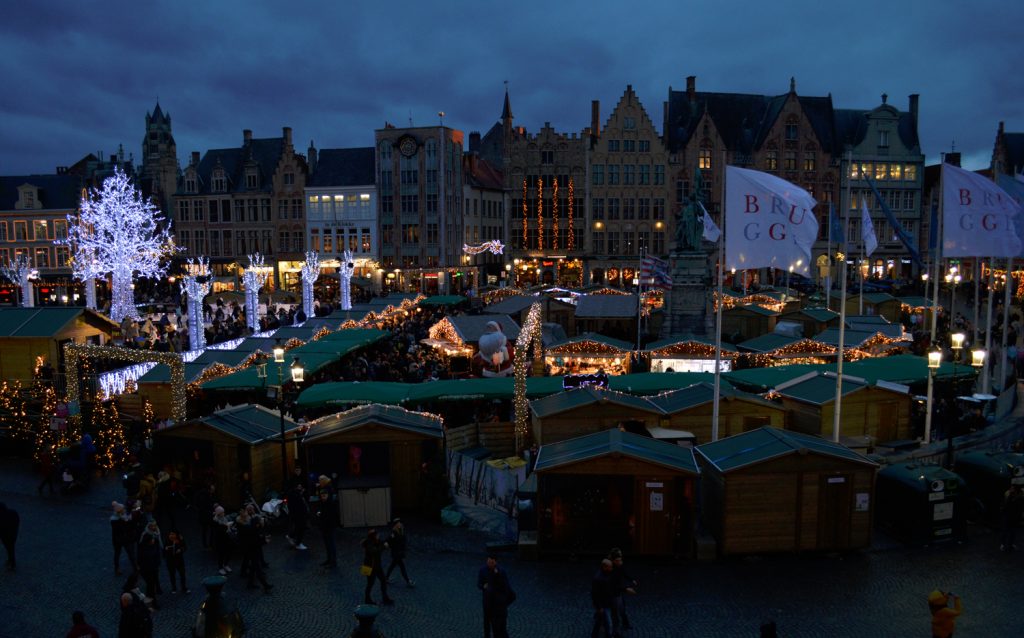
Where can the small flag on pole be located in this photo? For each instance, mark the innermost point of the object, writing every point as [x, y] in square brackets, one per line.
[711, 231]
[655, 271]
[836, 225]
[867, 231]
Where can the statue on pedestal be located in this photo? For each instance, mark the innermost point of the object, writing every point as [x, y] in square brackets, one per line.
[689, 229]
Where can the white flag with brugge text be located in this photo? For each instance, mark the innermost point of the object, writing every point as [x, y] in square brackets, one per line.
[769, 222]
[979, 218]
[711, 230]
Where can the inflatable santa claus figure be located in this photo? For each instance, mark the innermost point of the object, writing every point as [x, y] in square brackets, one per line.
[495, 353]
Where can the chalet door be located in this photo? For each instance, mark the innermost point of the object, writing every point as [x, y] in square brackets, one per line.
[887, 417]
[655, 511]
[834, 505]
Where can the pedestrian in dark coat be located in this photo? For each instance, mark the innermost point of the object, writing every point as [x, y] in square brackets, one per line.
[223, 529]
[372, 550]
[602, 594]
[298, 514]
[498, 594]
[136, 621]
[9, 524]
[327, 519]
[397, 543]
[250, 540]
[149, 565]
[123, 536]
[622, 584]
[174, 557]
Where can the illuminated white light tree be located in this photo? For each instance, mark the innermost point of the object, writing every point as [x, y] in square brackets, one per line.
[253, 279]
[85, 268]
[348, 266]
[125, 234]
[310, 273]
[195, 285]
[20, 272]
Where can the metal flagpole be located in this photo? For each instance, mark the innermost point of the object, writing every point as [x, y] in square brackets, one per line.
[936, 261]
[718, 311]
[860, 267]
[828, 253]
[842, 315]
[1007, 294]
[986, 384]
[639, 298]
[978, 270]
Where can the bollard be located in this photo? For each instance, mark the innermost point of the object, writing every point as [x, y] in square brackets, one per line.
[217, 618]
[365, 615]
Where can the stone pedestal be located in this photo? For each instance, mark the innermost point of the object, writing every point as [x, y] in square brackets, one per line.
[687, 303]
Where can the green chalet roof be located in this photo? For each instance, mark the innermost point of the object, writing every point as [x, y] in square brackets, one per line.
[443, 300]
[565, 401]
[386, 415]
[344, 392]
[764, 379]
[916, 301]
[818, 388]
[672, 341]
[754, 308]
[818, 314]
[686, 398]
[767, 342]
[645, 383]
[622, 347]
[614, 441]
[46, 321]
[249, 423]
[767, 443]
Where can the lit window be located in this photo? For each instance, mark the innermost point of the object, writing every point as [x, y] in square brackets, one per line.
[883, 139]
[809, 161]
[790, 160]
[895, 171]
[704, 159]
[771, 160]
[40, 229]
[910, 173]
[881, 171]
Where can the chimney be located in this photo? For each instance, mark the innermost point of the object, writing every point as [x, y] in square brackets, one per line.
[913, 107]
[595, 118]
[474, 141]
[287, 132]
[1001, 125]
[246, 136]
[952, 157]
[195, 158]
[691, 87]
[113, 159]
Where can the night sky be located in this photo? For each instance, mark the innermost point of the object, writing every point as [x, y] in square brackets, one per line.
[79, 77]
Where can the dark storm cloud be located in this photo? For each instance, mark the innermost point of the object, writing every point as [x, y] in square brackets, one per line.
[79, 77]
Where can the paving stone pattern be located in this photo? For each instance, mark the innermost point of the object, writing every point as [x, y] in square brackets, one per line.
[65, 564]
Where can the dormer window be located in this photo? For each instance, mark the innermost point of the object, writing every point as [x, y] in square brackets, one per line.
[218, 182]
[190, 184]
[289, 179]
[27, 197]
[251, 179]
[883, 139]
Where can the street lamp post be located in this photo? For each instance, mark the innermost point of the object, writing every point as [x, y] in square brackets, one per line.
[934, 359]
[297, 374]
[977, 360]
[953, 279]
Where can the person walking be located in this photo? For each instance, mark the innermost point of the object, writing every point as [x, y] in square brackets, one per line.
[602, 594]
[945, 607]
[123, 537]
[327, 519]
[298, 515]
[372, 569]
[250, 540]
[1013, 507]
[80, 628]
[150, 548]
[622, 584]
[397, 543]
[136, 621]
[498, 594]
[47, 470]
[10, 522]
[174, 556]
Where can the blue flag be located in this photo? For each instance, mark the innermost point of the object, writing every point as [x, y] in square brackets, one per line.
[908, 241]
[836, 228]
[933, 229]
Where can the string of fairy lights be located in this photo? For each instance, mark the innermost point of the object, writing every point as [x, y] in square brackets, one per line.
[571, 245]
[554, 214]
[526, 219]
[529, 334]
[540, 213]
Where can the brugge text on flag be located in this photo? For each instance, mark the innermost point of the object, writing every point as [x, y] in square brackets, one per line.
[1014, 187]
[655, 271]
[979, 218]
[867, 231]
[770, 222]
[711, 231]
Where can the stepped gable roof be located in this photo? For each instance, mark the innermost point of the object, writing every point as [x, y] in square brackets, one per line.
[344, 167]
[1014, 146]
[851, 125]
[266, 152]
[56, 192]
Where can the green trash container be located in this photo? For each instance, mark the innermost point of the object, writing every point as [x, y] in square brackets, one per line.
[988, 474]
[921, 504]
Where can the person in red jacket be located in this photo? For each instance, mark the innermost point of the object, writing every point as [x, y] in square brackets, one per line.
[81, 629]
[945, 607]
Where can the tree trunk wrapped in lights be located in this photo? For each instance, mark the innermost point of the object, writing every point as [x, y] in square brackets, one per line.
[531, 332]
[122, 234]
[254, 277]
[195, 285]
[348, 266]
[310, 273]
[19, 271]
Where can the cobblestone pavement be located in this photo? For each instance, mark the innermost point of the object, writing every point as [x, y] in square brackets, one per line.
[65, 564]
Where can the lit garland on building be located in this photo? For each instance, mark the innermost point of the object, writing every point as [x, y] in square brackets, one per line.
[253, 278]
[73, 352]
[117, 382]
[540, 213]
[586, 347]
[554, 215]
[757, 299]
[530, 333]
[526, 218]
[571, 239]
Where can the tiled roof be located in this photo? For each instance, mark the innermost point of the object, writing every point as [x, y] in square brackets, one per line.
[343, 167]
[762, 444]
[767, 342]
[571, 399]
[481, 174]
[389, 416]
[56, 192]
[250, 424]
[614, 441]
[266, 152]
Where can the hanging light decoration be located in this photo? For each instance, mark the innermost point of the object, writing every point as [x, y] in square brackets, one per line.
[540, 213]
[526, 218]
[554, 215]
[571, 243]
[531, 332]
[494, 246]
